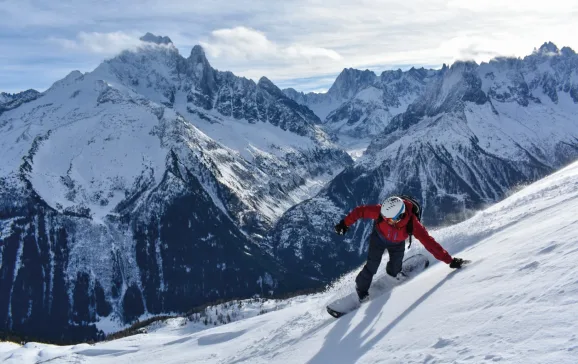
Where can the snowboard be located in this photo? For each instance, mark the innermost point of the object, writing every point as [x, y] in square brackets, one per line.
[344, 304]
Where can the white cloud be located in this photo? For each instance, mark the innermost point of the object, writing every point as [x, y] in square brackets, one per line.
[520, 6]
[243, 43]
[99, 43]
[286, 41]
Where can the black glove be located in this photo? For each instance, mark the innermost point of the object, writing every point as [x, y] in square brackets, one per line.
[341, 228]
[456, 263]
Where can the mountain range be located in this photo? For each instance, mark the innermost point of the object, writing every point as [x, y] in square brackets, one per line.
[146, 186]
[360, 104]
[499, 308]
[474, 134]
[156, 183]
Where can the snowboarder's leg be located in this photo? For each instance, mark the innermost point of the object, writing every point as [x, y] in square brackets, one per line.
[396, 252]
[364, 278]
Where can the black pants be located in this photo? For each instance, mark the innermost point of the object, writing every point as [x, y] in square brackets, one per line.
[376, 248]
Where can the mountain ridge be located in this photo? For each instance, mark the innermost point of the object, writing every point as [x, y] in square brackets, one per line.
[124, 185]
[475, 132]
[145, 186]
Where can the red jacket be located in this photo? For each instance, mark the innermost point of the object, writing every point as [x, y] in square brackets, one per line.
[398, 232]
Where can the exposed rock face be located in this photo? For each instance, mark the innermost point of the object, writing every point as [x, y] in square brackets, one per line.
[151, 38]
[12, 101]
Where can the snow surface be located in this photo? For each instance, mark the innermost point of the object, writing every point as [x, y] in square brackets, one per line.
[242, 136]
[355, 147]
[516, 303]
[106, 150]
[322, 109]
[370, 94]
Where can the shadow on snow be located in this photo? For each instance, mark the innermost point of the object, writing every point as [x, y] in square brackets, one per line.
[351, 347]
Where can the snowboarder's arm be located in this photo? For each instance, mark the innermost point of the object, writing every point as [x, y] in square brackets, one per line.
[362, 212]
[429, 243]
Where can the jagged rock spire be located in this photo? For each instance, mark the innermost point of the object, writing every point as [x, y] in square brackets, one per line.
[548, 48]
[350, 81]
[198, 56]
[270, 87]
[157, 39]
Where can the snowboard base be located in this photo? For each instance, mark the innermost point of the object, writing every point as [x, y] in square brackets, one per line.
[334, 313]
[412, 266]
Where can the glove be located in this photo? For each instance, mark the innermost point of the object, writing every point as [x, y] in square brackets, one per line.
[341, 228]
[456, 263]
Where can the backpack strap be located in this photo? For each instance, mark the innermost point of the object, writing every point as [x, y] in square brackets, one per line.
[377, 221]
[409, 228]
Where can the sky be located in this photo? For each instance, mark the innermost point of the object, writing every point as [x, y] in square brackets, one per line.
[302, 44]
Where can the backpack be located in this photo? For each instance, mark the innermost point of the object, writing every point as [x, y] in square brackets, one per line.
[416, 210]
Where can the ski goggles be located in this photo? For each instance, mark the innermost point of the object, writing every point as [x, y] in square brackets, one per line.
[394, 220]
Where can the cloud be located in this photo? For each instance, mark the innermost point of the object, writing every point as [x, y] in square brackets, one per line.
[248, 44]
[99, 43]
[521, 6]
[311, 84]
[284, 41]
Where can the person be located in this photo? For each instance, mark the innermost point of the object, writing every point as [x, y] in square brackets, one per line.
[389, 232]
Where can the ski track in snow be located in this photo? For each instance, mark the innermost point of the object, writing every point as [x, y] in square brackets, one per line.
[516, 303]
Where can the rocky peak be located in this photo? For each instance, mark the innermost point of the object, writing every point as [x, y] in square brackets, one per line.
[393, 75]
[11, 101]
[28, 93]
[418, 73]
[463, 66]
[350, 81]
[548, 48]
[266, 84]
[292, 93]
[198, 55]
[5, 97]
[299, 97]
[567, 52]
[199, 62]
[151, 38]
[200, 68]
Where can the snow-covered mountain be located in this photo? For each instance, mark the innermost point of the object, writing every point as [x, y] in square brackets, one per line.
[360, 104]
[156, 183]
[145, 186]
[475, 133]
[516, 303]
[11, 101]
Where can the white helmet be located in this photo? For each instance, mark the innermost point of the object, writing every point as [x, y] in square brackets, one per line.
[392, 208]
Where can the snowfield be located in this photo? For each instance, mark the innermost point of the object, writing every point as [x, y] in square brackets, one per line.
[516, 303]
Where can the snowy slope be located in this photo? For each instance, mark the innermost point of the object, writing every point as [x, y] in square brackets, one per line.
[516, 303]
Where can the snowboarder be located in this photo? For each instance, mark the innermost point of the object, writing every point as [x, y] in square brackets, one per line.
[389, 232]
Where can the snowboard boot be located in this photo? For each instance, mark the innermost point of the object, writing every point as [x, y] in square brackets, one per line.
[363, 295]
[401, 276]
